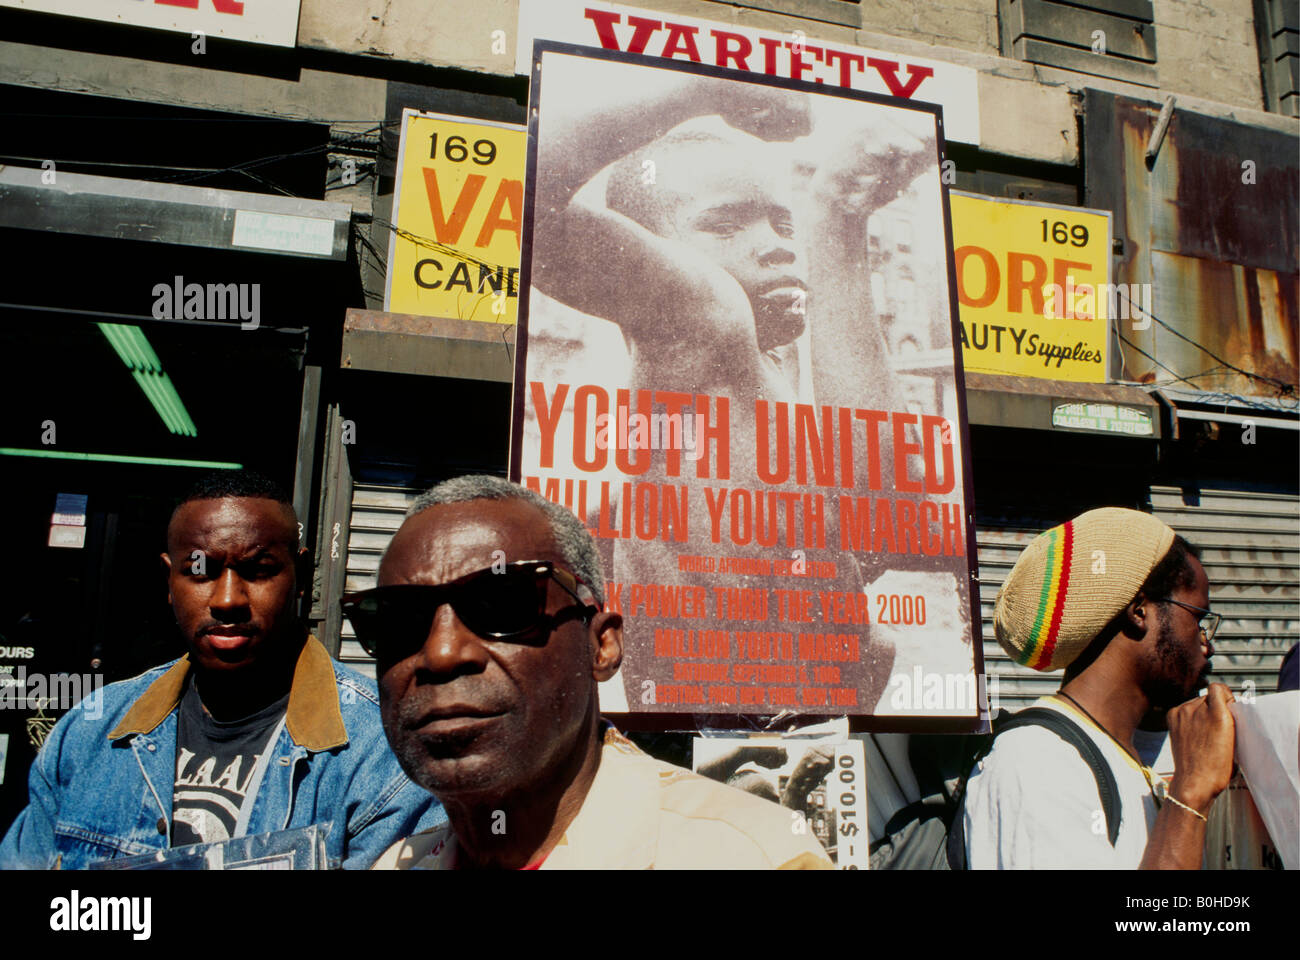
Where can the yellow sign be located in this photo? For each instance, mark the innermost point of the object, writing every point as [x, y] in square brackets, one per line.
[459, 202]
[1033, 284]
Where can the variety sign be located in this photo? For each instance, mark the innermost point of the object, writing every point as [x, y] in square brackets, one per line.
[769, 52]
[459, 203]
[255, 21]
[1033, 281]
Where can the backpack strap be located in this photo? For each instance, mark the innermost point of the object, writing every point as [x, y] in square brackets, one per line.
[1073, 734]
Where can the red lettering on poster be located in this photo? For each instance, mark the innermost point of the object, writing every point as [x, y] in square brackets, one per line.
[847, 62]
[645, 29]
[604, 21]
[798, 66]
[681, 39]
[548, 419]
[888, 70]
[992, 278]
[902, 449]
[447, 229]
[509, 192]
[724, 51]
[1018, 285]
[221, 6]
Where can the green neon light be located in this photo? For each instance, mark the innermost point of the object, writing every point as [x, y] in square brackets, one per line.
[146, 388]
[114, 338]
[150, 388]
[134, 349]
[136, 359]
[145, 348]
[182, 413]
[163, 401]
[119, 458]
[172, 402]
[167, 394]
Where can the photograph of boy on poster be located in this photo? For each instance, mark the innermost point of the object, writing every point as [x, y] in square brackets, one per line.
[698, 237]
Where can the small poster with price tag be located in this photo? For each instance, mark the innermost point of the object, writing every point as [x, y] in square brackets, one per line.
[818, 773]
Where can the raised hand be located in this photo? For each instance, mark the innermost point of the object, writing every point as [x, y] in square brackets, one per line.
[866, 168]
[767, 113]
[1203, 738]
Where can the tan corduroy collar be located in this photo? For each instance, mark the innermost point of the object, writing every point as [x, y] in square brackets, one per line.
[313, 717]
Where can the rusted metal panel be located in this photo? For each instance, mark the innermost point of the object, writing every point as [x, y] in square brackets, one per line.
[1227, 191]
[1211, 226]
[428, 346]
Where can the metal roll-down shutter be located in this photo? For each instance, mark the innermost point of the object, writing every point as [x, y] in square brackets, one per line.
[1250, 547]
[377, 512]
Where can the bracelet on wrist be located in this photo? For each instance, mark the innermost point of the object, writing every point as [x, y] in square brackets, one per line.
[1163, 793]
[1192, 810]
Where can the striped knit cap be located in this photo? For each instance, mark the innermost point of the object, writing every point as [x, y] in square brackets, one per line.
[1072, 580]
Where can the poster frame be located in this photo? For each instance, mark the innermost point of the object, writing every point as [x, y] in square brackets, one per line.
[687, 720]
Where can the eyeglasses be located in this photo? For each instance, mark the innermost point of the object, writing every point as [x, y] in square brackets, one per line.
[1209, 622]
[497, 603]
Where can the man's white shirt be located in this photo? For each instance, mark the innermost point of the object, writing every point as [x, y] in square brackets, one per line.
[1033, 803]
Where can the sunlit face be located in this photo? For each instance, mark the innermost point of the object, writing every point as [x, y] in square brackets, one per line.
[467, 714]
[743, 222]
[1180, 662]
[232, 581]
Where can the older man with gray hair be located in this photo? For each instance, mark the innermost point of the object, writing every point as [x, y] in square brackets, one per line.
[490, 638]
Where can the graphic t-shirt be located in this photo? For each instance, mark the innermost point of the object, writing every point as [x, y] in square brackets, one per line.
[215, 763]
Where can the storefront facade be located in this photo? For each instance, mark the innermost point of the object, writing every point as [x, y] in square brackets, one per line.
[256, 157]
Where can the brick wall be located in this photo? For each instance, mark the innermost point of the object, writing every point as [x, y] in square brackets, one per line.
[1208, 50]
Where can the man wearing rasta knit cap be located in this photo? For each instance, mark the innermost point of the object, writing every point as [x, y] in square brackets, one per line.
[1120, 602]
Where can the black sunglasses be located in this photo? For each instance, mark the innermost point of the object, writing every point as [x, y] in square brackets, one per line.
[506, 602]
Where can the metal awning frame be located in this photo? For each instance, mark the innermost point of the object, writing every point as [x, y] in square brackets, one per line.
[171, 213]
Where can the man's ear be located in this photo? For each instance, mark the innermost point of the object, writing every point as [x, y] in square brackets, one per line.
[607, 644]
[167, 574]
[1139, 617]
[302, 570]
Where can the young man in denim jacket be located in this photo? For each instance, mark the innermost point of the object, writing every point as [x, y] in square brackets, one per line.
[256, 730]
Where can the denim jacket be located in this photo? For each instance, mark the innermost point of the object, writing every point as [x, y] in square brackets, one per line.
[101, 786]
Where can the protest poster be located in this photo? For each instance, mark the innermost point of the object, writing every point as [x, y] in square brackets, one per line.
[737, 363]
[818, 774]
[1267, 749]
[457, 207]
[1033, 281]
